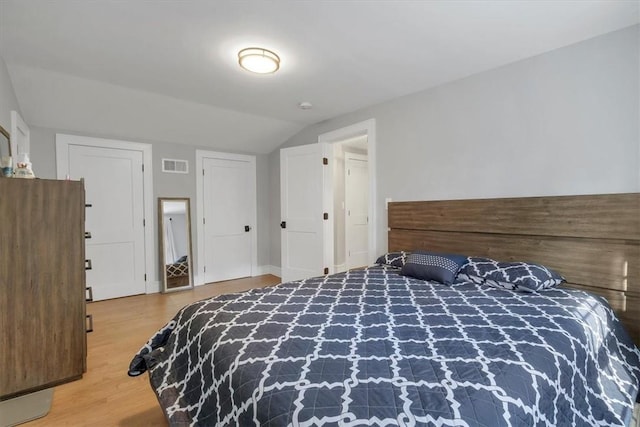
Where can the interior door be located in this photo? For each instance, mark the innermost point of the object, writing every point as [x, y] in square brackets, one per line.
[356, 210]
[20, 136]
[301, 203]
[228, 209]
[113, 180]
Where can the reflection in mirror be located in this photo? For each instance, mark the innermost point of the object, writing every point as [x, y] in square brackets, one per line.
[6, 162]
[175, 243]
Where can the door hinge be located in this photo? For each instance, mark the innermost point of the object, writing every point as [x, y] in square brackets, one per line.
[349, 172]
[204, 269]
[145, 277]
[325, 216]
[325, 161]
[143, 167]
[203, 221]
[144, 222]
[202, 172]
[326, 270]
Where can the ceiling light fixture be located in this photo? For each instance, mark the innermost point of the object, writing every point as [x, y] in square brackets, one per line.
[258, 60]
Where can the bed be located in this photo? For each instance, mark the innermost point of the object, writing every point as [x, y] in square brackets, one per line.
[376, 347]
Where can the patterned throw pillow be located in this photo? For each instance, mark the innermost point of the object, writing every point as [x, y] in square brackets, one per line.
[473, 269]
[433, 266]
[516, 276]
[394, 259]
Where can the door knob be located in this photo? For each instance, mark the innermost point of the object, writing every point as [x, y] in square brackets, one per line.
[247, 228]
[283, 224]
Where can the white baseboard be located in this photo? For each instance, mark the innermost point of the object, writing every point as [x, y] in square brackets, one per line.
[339, 268]
[260, 270]
[198, 280]
[268, 269]
[153, 287]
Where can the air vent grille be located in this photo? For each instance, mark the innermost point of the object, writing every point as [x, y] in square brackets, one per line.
[175, 166]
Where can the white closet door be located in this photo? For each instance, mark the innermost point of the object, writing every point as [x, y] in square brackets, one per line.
[301, 198]
[229, 208]
[114, 189]
[357, 210]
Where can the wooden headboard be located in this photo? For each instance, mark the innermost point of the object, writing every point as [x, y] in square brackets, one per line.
[593, 241]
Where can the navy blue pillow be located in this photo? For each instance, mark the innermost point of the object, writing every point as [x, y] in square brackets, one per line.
[394, 259]
[433, 266]
[515, 276]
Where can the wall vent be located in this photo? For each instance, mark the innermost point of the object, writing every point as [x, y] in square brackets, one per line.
[175, 166]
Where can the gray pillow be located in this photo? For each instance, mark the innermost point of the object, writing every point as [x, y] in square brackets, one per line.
[515, 276]
[433, 266]
[394, 259]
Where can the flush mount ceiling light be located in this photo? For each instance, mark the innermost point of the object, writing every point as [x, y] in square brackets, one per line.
[258, 60]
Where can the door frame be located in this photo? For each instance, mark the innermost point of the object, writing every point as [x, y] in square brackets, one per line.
[63, 141]
[200, 156]
[364, 158]
[368, 128]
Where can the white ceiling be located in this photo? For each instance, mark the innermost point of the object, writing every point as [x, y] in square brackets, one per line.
[174, 63]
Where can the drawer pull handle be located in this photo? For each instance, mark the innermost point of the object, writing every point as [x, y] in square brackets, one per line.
[90, 319]
[87, 234]
[90, 297]
[87, 264]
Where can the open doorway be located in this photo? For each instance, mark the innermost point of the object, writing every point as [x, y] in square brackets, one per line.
[350, 203]
[349, 194]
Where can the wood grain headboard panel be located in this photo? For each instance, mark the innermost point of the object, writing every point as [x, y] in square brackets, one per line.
[593, 241]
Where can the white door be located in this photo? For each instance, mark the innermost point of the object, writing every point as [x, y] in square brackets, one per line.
[229, 197]
[20, 136]
[356, 210]
[113, 180]
[301, 202]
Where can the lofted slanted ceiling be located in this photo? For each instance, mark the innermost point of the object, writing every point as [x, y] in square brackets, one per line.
[167, 70]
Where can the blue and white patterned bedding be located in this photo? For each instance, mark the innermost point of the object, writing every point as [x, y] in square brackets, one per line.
[371, 347]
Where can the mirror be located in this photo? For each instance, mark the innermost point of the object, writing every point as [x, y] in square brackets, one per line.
[5, 144]
[6, 162]
[174, 216]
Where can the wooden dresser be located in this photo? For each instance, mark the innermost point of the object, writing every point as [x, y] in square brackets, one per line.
[42, 284]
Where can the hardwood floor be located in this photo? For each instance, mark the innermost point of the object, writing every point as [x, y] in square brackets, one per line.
[106, 396]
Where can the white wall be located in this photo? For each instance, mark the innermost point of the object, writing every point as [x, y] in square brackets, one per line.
[561, 123]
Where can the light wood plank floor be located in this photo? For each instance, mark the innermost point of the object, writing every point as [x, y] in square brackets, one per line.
[106, 396]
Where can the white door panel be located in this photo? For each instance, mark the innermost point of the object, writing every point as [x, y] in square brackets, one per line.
[114, 190]
[301, 180]
[106, 278]
[357, 210]
[229, 200]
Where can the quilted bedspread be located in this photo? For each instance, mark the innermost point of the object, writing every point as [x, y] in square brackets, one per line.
[372, 347]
